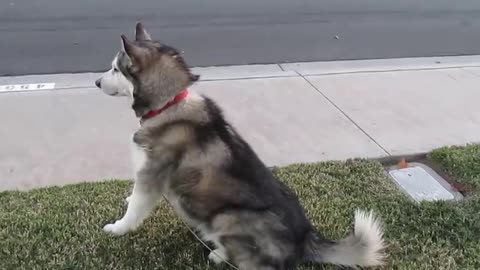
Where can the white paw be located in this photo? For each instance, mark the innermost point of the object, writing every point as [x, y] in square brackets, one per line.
[217, 256]
[117, 228]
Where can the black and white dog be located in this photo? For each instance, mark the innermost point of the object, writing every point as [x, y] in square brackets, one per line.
[187, 152]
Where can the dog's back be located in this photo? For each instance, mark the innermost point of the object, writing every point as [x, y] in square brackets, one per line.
[233, 198]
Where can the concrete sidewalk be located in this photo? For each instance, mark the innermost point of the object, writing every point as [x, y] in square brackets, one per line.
[303, 112]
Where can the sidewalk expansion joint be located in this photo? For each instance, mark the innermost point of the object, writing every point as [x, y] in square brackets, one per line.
[465, 69]
[345, 114]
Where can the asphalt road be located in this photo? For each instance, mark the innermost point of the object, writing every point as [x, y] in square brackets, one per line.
[51, 36]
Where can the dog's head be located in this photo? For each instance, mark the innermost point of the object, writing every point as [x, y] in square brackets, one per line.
[149, 72]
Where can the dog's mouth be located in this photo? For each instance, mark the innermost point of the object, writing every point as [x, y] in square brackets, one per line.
[114, 94]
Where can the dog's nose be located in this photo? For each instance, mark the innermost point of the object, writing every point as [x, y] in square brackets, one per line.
[98, 83]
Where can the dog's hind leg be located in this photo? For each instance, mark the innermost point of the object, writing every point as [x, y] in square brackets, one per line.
[254, 266]
[141, 203]
[246, 255]
[218, 255]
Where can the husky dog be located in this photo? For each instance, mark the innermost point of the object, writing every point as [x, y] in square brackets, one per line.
[185, 151]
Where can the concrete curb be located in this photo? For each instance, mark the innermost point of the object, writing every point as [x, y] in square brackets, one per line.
[219, 73]
[382, 65]
[86, 80]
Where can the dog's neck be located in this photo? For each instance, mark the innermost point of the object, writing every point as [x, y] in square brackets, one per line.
[176, 99]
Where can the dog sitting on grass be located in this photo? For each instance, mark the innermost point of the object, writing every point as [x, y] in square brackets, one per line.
[185, 151]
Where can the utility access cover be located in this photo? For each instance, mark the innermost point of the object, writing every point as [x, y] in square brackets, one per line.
[422, 185]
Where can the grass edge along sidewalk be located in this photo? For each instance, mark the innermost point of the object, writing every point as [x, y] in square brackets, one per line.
[60, 227]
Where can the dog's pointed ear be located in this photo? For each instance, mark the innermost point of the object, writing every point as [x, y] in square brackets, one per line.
[134, 52]
[141, 33]
[129, 48]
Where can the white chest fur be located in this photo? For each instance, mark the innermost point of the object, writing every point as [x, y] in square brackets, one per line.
[139, 157]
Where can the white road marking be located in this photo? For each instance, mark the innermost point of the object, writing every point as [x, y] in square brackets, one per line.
[26, 87]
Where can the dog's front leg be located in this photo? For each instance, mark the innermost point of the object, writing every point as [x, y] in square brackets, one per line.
[140, 203]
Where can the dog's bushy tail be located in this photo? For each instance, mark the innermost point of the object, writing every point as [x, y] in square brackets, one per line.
[363, 247]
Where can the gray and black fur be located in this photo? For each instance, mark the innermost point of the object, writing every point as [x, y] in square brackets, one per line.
[216, 183]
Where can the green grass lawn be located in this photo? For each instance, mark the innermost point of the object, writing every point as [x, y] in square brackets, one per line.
[463, 163]
[60, 228]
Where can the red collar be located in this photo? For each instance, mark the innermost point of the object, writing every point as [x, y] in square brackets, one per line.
[179, 97]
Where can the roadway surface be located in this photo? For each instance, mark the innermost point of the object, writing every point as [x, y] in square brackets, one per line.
[52, 36]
